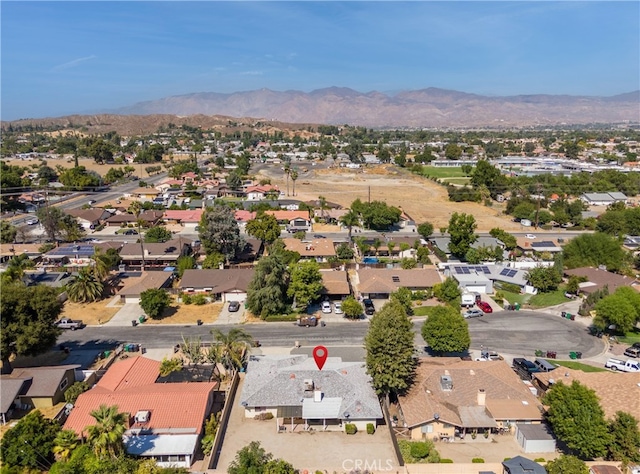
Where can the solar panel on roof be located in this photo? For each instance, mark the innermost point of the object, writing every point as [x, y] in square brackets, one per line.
[512, 273]
[486, 270]
[505, 271]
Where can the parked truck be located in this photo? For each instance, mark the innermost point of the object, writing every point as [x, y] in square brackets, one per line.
[66, 323]
[628, 366]
[467, 300]
[307, 321]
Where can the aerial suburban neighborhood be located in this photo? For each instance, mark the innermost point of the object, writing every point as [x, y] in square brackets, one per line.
[476, 297]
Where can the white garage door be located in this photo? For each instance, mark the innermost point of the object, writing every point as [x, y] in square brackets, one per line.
[235, 296]
[477, 289]
[131, 299]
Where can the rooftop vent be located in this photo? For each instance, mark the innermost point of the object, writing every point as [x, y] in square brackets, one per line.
[143, 416]
[446, 383]
[395, 279]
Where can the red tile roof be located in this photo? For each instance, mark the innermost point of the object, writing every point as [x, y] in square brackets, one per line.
[288, 215]
[183, 215]
[130, 385]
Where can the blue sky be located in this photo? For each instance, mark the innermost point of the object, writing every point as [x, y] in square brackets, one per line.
[59, 58]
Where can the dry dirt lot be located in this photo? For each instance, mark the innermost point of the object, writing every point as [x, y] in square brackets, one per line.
[90, 313]
[88, 163]
[420, 198]
[188, 314]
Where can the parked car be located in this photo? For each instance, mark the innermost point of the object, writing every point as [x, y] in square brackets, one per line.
[337, 308]
[529, 236]
[628, 366]
[473, 313]
[484, 306]
[524, 368]
[130, 232]
[32, 221]
[636, 345]
[92, 201]
[369, 308]
[234, 306]
[66, 323]
[633, 352]
[326, 307]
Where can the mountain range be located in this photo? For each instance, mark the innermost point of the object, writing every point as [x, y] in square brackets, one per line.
[431, 107]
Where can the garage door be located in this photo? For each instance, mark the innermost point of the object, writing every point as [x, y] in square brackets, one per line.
[476, 289]
[235, 296]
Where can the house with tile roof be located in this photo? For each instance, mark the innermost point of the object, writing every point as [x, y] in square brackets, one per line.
[598, 278]
[186, 217]
[261, 192]
[301, 397]
[230, 284]
[130, 288]
[164, 420]
[157, 253]
[294, 220]
[89, 218]
[381, 282]
[320, 250]
[453, 397]
[335, 283]
[616, 392]
[35, 387]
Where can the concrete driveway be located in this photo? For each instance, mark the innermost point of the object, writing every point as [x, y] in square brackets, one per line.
[228, 317]
[127, 313]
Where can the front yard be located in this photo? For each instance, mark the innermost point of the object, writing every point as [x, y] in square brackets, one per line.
[541, 300]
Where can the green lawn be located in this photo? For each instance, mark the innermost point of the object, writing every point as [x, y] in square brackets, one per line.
[576, 365]
[422, 310]
[541, 300]
[437, 172]
[514, 298]
[630, 337]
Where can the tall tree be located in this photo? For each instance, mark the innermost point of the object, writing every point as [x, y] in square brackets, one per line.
[267, 290]
[425, 230]
[305, 283]
[157, 234]
[264, 227]
[27, 323]
[64, 444]
[29, 444]
[8, 232]
[84, 288]
[462, 229]
[625, 438]
[577, 419]
[389, 346]
[567, 464]
[253, 459]
[220, 233]
[544, 279]
[592, 250]
[233, 346]
[446, 331]
[154, 301]
[51, 220]
[105, 435]
[350, 220]
[618, 310]
[294, 178]
[135, 208]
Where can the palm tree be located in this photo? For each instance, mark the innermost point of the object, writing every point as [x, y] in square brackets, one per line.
[99, 267]
[287, 170]
[233, 345]
[105, 436]
[136, 208]
[349, 220]
[168, 366]
[66, 441]
[84, 288]
[376, 245]
[390, 247]
[294, 176]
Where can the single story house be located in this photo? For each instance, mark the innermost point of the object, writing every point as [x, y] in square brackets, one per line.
[158, 254]
[261, 192]
[330, 216]
[319, 250]
[186, 217]
[299, 396]
[145, 193]
[8, 251]
[164, 420]
[603, 199]
[133, 286]
[226, 285]
[251, 250]
[530, 246]
[89, 218]
[616, 392]
[150, 218]
[522, 465]
[381, 282]
[335, 283]
[36, 387]
[453, 397]
[294, 220]
[599, 278]
[482, 278]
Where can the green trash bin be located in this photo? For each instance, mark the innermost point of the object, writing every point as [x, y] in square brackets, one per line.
[142, 319]
[517, 306]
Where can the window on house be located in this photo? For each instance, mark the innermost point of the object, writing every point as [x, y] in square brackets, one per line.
[64, 384]
[427, 428]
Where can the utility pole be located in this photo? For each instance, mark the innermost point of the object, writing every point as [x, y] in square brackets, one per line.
[369, 188]
[538, 206]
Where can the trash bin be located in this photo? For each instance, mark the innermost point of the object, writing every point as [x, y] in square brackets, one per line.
[143, 350]
[142, 318]
[134, 322]
[107, 354]
[199, 322]
[578, 355]
[564, 314]
[517, 306]
[573, 355]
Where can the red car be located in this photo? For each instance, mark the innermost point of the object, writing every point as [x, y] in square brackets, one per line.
[484, 306]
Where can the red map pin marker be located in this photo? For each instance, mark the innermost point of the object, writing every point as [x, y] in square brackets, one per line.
[320, 354]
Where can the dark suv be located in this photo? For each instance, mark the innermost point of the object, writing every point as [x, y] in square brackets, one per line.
[524, 368]
[369, 309]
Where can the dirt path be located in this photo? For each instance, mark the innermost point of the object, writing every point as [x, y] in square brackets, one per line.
[420, 198]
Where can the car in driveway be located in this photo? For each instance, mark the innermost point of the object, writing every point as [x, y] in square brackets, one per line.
[234, 306]
[337, 307]
[473, 313]
[326, 307]
[632, 352]
[484, 306]
[369, 308]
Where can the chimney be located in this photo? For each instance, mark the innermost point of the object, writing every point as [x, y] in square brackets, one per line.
[482, 397]
[146, 252]
[317, 396]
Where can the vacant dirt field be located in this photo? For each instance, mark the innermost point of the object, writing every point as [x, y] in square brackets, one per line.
[180, 313]
[90, 313]
[421, 198]
[88, 163]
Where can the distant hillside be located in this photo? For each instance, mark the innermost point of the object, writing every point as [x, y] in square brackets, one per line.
[420, 108]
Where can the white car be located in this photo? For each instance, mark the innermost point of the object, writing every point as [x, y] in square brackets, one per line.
[473, 313]
[337, 308]
[326, 307]
[32, 221]
[529, 236]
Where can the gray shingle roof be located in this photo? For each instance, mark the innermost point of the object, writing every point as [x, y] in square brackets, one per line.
[275, 381]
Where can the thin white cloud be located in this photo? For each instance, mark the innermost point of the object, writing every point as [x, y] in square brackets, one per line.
[251, 73]
[74, 63]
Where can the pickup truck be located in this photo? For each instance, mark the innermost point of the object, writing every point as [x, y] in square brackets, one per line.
[307, 321]
[66, 323]
[628, 366]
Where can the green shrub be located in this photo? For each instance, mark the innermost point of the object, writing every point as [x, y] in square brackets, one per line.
[199, 299]
[511, 288]
[420, 450]
[371, 428]
[539, 460]
[477, 461]
[281, 317]
[187, 299]
[446, 461]
[264, 416]
[350, 429]
[506, 459]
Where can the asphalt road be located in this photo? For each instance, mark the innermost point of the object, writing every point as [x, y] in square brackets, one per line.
[517, 333]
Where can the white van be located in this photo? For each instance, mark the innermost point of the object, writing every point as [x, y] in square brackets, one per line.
[468, 300]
